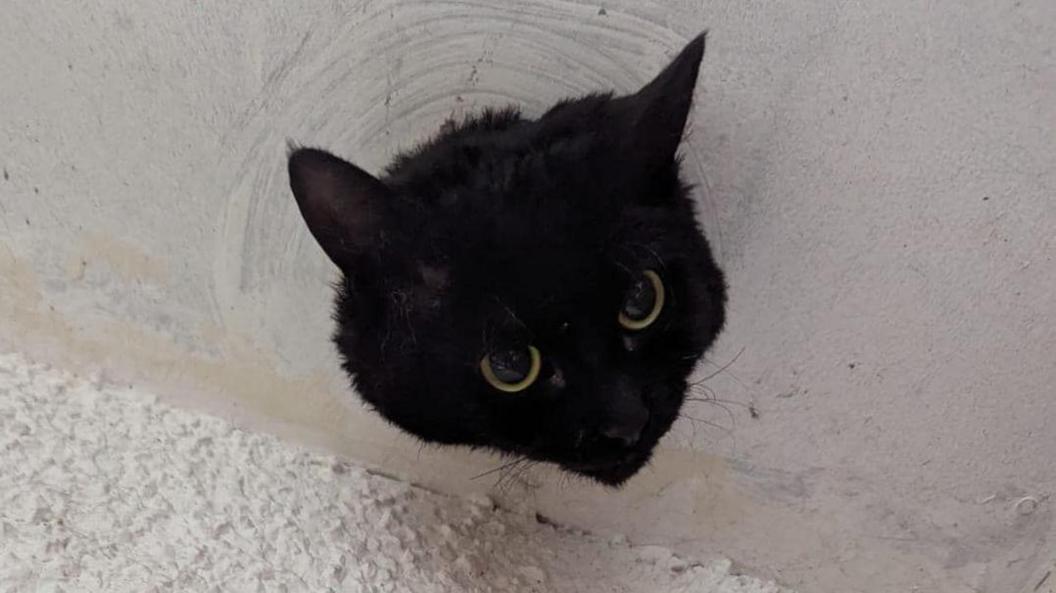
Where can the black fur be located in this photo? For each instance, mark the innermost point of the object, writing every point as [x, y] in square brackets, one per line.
[505, 231]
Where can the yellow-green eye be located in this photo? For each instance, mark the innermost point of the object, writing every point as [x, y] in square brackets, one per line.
[512, 370]
[643, 302]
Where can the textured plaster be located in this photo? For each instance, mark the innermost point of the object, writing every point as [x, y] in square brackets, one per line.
[107, 489]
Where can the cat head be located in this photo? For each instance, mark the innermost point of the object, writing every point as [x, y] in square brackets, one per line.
[538, 287]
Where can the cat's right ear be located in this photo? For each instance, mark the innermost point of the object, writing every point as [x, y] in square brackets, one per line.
[656, 115]
[343, 205]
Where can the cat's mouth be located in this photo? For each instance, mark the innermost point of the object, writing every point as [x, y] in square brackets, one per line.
[614, 467]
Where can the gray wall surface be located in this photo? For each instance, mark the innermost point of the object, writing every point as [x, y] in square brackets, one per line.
[878, 180]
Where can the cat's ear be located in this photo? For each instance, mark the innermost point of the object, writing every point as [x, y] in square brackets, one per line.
[343, 205]
[655, 116]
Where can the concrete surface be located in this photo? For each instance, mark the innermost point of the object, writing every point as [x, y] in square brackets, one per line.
[878, 179]
[106, 489]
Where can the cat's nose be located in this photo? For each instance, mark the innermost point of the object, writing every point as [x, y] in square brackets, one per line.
[627, 418]
[626, 434]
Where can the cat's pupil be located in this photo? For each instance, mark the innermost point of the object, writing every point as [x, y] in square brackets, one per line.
[640, 299]
[511, 366]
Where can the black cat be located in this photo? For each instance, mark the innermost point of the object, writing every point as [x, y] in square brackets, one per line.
[536, 287]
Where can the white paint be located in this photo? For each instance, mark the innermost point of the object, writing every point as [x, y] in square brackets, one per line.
[107, 490]
[878, 180]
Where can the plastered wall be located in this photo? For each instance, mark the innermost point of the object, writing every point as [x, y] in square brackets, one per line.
[878, 179]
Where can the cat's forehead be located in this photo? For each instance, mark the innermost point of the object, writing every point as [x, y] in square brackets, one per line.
[537, 271]
[500, 152]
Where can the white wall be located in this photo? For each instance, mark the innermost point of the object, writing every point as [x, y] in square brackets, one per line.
[878, 180]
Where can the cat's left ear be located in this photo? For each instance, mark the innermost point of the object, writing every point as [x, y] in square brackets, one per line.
[344, 206]
[656, 115]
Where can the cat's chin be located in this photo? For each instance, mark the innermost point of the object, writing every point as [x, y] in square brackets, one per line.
[613, 474]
